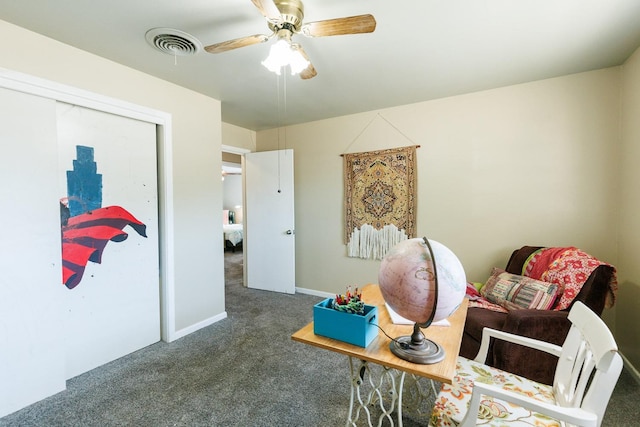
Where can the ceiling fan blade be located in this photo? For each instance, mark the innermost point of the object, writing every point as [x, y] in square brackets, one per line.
[268, 9]
[339, 26]
[310, 71]
[236, 43]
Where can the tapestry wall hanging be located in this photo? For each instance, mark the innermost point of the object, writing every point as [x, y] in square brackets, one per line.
[380, 200]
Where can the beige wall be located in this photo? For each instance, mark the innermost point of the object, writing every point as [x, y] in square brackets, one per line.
[231, 157]
[238, 137]
[628, 305]
[532, 164]
[199, 273]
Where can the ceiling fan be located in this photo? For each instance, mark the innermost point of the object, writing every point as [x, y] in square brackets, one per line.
[285, 18]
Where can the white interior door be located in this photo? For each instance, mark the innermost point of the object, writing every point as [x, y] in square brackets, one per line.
[269, 221]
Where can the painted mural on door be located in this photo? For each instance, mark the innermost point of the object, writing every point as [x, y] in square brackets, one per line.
[108, 209]
[87, 227]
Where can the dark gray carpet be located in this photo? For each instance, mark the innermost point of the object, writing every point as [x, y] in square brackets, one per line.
[242, 371]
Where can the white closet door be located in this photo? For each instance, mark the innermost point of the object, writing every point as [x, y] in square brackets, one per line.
[31, 350]
[114, 308]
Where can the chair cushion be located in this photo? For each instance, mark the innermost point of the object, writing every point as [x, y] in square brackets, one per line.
[451, 403]
[479, 318]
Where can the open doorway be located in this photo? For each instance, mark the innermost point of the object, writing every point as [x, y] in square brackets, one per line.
[233, 215]
[268, 257]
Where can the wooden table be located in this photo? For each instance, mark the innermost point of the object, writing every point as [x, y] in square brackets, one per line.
[378, 352]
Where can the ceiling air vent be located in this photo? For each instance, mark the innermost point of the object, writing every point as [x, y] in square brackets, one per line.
[173, 42]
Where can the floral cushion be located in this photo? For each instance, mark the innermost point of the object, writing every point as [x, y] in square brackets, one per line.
[451, 403]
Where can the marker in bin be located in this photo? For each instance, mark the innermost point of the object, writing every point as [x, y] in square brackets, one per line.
[351, 302]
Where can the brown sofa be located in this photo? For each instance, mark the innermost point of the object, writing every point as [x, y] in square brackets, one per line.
[546, 325]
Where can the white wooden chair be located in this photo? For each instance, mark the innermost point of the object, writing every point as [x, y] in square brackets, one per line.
[588, 368]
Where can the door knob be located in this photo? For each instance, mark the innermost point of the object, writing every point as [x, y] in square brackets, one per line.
[290, 232]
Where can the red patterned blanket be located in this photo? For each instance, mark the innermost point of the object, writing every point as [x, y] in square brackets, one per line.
[568, 267]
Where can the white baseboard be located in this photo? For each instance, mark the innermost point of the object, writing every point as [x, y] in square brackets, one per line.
[632, 369]
[188, 330]
[315, 293]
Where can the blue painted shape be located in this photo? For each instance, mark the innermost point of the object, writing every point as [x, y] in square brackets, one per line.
[84, 184]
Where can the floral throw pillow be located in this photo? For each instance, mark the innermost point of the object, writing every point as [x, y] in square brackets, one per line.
[516, 292]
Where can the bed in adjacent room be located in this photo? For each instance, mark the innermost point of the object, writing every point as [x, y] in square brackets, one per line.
[233, 234]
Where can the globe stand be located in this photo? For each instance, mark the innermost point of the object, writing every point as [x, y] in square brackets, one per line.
[416, 348]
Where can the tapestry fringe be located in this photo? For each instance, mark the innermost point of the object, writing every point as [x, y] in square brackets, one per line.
[369, 243]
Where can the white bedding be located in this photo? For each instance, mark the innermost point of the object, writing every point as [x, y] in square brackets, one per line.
[232, 233]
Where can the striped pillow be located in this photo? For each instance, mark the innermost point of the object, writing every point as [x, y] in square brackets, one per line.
[515, 292]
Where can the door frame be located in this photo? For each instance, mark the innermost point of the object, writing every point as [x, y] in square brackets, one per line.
[51, 90]
[241, 152]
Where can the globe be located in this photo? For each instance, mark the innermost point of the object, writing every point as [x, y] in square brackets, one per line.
[423, 281]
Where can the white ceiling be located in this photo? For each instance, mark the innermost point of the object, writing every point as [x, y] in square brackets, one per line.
[231, 168]
[420, 50]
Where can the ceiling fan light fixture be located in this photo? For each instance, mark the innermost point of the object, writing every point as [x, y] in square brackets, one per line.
[285, 19]
[283, 53]
[297, 61]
